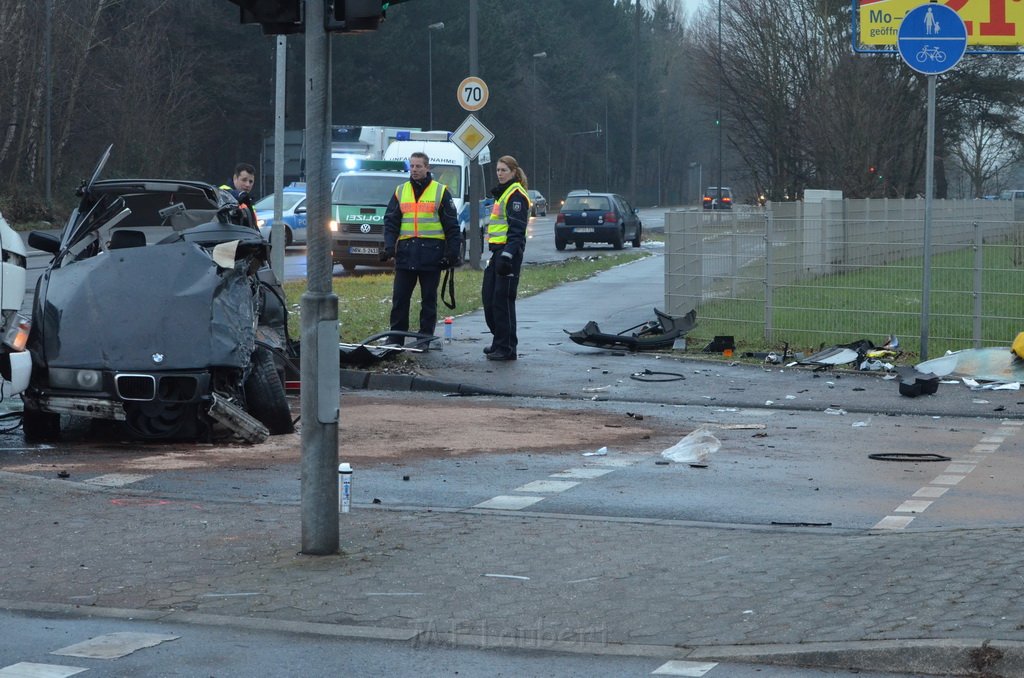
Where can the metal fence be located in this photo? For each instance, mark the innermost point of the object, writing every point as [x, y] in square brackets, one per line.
[836, 271]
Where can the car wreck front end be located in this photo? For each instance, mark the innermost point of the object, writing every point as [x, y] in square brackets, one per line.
[171, 326]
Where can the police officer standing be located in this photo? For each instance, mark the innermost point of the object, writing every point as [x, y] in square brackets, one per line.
[506, 239]
[421, 233]
[242, 182]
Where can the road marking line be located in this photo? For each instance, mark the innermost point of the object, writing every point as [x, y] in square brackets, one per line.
[931, 492]
[613, 462]
[507, 503]
[33, 670]
[913, 506]
[893, 523]
[947, 480]
[546, 486]
[959, 468]
[582, 473]
[996, 440]
[984, 449]
[678, 667]
[116, 479]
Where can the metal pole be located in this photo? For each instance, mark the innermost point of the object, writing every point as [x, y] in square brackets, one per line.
[720, 73]
[49, 99]
[929, 190]
[476, 175]
[636, 105]
[430, 77]
[277, 229]
[320, 366]
[533, 108]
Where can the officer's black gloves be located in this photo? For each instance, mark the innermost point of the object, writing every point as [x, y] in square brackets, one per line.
[503, 265]
[387, 254]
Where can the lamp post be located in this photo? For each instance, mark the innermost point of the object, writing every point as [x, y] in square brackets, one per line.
[533, 107]
[700, 179]
[430, 68]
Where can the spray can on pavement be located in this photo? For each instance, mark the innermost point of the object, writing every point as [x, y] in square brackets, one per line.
[448, 326]
[344, 487]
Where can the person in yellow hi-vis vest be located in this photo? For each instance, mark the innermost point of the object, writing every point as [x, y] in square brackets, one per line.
[421, 233]
[506, 240]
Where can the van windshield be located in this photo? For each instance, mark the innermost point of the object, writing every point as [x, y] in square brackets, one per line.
[450, 176]
[356, 189]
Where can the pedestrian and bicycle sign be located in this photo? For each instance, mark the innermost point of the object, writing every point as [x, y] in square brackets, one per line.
[932, 38]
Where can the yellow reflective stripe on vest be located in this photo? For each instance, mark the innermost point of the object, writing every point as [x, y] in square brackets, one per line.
[419, 217]
[497, 226]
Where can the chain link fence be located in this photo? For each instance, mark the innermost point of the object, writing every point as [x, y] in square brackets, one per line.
[812, 274]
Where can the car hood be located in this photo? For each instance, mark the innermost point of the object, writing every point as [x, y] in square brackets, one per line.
[169, 307]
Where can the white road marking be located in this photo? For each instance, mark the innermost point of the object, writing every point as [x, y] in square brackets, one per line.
[959, 468]
[893, 523]
[931, 492]
[116, 479]
[581, 473]
[546, 486]
[31, 670]
[114, 645]
[677, 667]
[507, 503]
[913, 506]
[947, 480]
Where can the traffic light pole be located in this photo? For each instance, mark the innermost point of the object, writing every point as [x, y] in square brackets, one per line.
[320, 368]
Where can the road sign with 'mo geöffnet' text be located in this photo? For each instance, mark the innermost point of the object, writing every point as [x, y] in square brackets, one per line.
[932, 38]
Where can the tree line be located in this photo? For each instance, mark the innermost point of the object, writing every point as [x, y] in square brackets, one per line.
[768, 95]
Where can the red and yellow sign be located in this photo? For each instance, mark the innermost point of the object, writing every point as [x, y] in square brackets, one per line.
[989, 22]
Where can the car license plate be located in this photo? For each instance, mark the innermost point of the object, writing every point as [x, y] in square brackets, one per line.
[362, 250]
[583, 229]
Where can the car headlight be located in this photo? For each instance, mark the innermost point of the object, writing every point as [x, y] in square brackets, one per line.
[333, 225]
[260, 223]
[83, 380]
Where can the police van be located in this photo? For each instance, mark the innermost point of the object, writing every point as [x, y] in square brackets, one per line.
[359, 199]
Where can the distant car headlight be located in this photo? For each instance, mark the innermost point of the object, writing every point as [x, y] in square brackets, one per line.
[333, 225]
[260, 223]
[83, 380]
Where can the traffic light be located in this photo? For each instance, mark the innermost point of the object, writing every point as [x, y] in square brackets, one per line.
[274, 16]
[356, 16]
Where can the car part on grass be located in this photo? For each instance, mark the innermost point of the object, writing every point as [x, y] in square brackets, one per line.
[721, 344]
[653, 335]
[863, 352]
[367, 353]
[908, 456]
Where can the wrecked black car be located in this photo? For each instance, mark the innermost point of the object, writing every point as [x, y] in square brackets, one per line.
[159, 313]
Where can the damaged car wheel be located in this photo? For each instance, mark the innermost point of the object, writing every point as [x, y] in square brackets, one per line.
[265, 398]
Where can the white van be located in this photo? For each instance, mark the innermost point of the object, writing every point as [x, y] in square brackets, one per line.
[448, 165]
[15, 361]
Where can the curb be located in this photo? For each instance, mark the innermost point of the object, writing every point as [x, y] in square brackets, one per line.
[943, 657]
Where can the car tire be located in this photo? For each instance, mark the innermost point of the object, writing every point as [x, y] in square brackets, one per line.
[636, 236]
[349, 267]
[579, 244]
[40, 426]
[620, 237]
[544, 213]
[265, 398]
[287, 237]
[559, 244]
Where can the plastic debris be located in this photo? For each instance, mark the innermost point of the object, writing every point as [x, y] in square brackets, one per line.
[694, 447]
[597, 453]
[835, 410]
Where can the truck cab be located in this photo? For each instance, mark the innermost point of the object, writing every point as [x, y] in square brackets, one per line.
[15, 361]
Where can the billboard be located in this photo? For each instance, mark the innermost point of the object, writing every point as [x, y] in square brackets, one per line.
[990, 23]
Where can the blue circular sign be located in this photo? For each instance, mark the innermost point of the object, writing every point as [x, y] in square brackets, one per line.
[932, 38]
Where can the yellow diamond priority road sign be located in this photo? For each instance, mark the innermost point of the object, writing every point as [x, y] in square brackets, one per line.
[472, 137]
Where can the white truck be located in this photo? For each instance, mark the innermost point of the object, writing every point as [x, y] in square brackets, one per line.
[15, 361]
[448, 165]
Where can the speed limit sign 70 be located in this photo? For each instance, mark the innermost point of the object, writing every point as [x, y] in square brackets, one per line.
[472, 94]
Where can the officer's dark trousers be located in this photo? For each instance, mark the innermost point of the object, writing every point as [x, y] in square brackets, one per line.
[499, 297]
[401, 295]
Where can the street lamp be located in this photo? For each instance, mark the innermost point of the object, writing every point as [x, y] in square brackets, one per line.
[533, 108]
[700, 178]
[430, 68]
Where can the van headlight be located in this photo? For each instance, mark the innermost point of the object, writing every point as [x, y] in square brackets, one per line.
[333, 225]
[81, 380]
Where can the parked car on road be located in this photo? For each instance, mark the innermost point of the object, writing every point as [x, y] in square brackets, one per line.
[718, 199]
[160, 315]
[597, 217]
[293, 214]
[538, 204]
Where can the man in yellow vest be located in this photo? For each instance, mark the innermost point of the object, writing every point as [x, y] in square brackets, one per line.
[421, 233]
